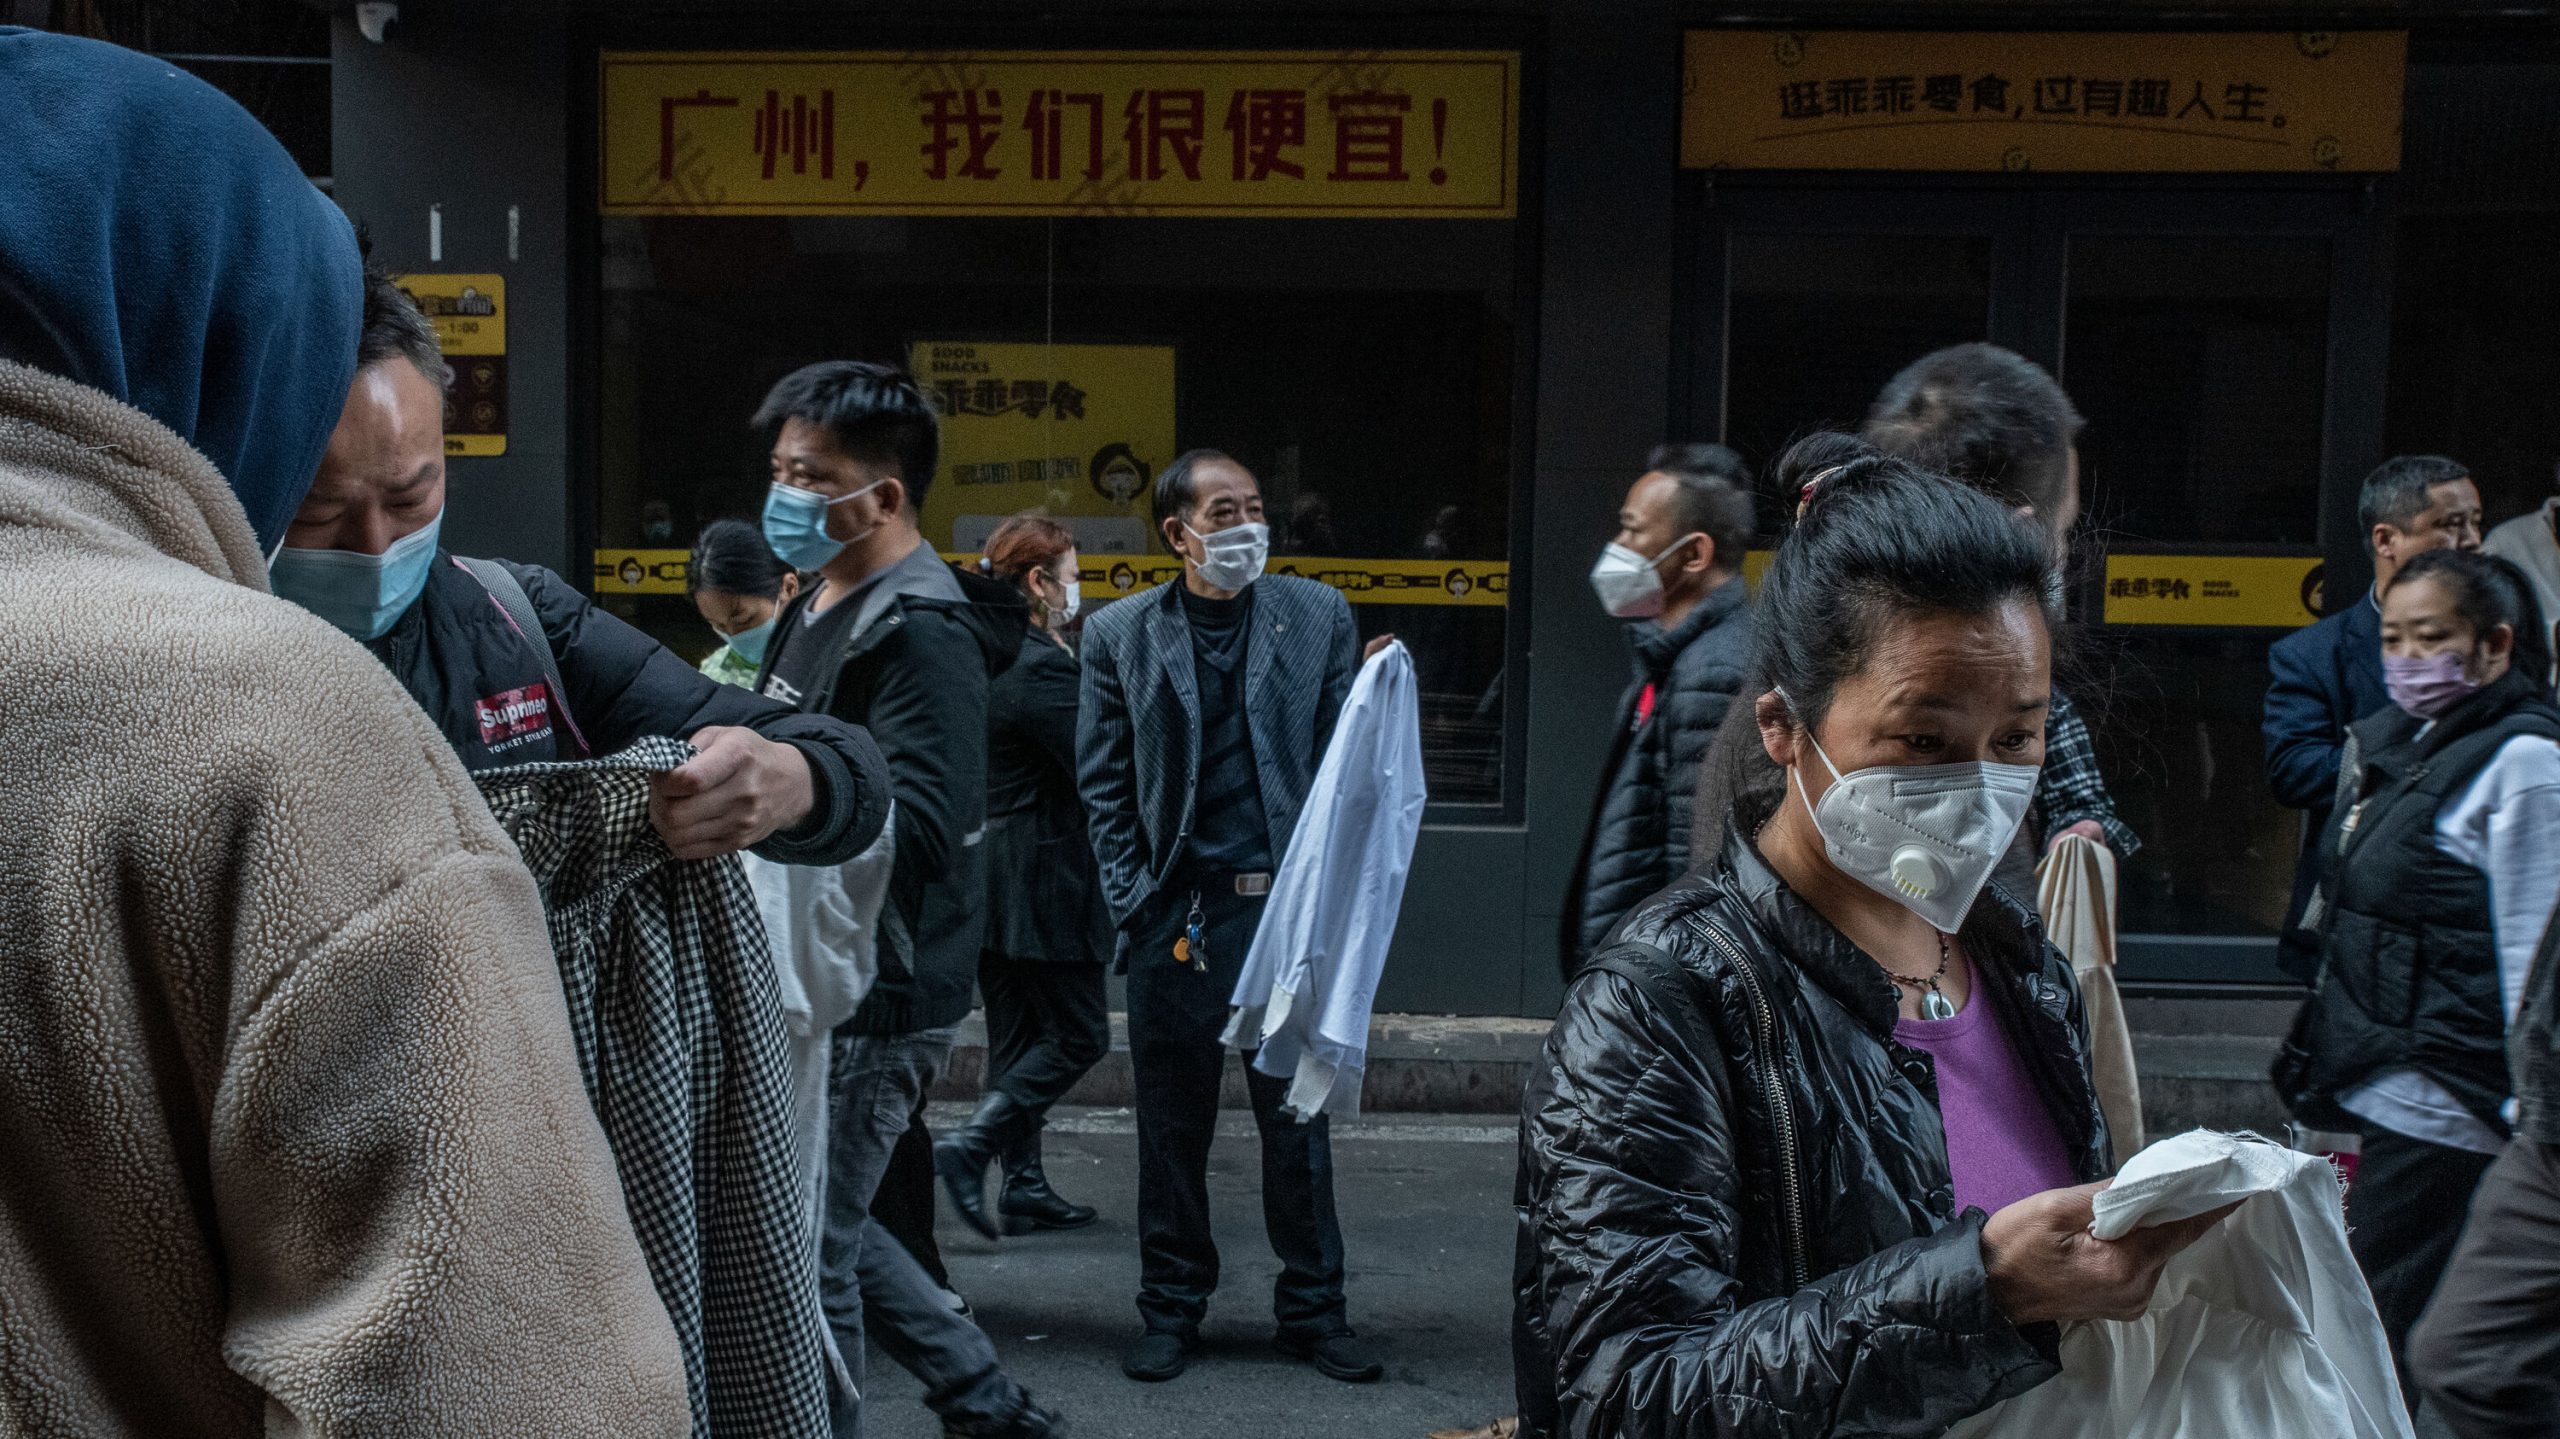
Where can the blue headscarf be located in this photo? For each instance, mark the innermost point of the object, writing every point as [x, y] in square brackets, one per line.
[158, 244]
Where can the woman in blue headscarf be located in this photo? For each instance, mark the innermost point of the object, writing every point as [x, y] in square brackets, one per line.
[293, 1130]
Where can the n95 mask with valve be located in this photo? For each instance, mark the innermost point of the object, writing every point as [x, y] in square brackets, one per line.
[1926, 836]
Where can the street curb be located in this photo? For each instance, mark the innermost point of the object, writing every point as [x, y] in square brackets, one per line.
[1443, 1064]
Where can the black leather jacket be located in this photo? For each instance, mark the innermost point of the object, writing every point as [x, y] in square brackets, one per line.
[1715, 1242]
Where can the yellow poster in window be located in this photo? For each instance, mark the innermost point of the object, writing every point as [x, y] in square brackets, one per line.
[2251, 591]
[1407, 134]
[1076, 432]
[469, 313]
[2321, 101]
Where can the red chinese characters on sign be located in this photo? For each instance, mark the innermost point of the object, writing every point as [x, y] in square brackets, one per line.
[800, 130]
[1368, 135]
[1046, 120]
[966, 121]
[668, 109]
[1166, 122]
[1260, 125]
[956, 133]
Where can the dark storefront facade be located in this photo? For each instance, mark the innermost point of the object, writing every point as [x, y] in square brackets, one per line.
[1442, 279]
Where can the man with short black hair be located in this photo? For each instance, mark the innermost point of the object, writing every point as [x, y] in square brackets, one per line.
[892, 638]
[1999, 422]
[1674, 573]
[2328, 676]
[362, 552]
[1206, 709]
[1992, 418]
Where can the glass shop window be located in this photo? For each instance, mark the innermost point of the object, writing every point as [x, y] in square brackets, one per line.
[1364, 370]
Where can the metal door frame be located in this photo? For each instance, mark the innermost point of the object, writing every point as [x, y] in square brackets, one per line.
[2030, 221]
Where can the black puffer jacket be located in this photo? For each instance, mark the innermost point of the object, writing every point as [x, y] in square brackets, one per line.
[1715, 1242]
[1638, 838]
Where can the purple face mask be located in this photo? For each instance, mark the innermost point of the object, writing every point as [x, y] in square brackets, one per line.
[2427, 685]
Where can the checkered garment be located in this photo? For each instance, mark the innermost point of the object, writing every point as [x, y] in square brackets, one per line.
[2070, 787]
[679, 1032]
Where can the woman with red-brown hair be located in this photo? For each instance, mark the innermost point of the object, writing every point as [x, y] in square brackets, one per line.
[1048, 930]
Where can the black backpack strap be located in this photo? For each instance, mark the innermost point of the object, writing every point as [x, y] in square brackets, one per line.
[517, 606]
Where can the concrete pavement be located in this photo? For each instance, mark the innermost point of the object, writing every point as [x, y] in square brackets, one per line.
[1426, 1216]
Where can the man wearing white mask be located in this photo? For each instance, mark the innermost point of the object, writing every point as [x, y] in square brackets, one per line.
[1206, 707]
[1674, 574]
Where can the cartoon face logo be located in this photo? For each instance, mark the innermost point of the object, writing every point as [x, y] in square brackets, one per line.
[1457, 584]
[1789, 50]
[631, 573]
[2327, 153]
[1118, 474]
[1124, 577]
[2313, 590]
[2316, 44]
[2014, 160]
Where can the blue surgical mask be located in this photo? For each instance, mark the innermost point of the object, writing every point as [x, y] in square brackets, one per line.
[364, 595]
[749, 645]
[795, 524]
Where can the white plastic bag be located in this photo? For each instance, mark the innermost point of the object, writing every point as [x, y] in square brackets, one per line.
[2262, 1328]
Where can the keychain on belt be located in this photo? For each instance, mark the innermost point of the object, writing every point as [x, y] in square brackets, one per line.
[1193, 946]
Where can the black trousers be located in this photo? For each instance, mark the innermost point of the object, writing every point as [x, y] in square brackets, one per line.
[2488, 1351]
[1047, 1024]
[1175, 1016]
[2404, 1213]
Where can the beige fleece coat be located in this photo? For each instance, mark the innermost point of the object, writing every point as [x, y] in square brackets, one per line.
[291, 1134]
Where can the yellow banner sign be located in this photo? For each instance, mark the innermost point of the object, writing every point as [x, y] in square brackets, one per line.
[470, 316]
[1479, 583]
[2254, 591]
[1394, 133]
[1076, 432]
[1860, 100]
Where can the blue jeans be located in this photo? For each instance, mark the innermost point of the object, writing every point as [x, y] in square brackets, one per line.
[873, 1084]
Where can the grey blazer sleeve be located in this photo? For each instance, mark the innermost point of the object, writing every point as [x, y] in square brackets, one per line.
[1107, 777]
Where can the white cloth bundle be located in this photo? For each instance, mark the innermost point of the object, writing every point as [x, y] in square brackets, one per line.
[1303, 1000]
[2261, 1328]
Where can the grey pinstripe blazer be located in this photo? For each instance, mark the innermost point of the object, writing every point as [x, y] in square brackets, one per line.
[1138, 726]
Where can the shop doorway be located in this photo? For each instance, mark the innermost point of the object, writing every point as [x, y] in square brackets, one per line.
[2226, 347]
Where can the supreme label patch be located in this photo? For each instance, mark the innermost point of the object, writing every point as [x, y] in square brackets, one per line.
[512, 717]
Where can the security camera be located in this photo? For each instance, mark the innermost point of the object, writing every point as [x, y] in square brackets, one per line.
[375, 17]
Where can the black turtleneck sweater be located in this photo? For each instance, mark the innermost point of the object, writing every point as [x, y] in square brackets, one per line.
[1229, 832]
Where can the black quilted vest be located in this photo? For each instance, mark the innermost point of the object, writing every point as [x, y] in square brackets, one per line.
[2409, 964]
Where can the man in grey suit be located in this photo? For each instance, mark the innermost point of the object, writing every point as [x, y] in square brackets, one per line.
[1206, 708]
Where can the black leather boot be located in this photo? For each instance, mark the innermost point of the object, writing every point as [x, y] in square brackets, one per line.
[1029, 1204]
[961, 1158]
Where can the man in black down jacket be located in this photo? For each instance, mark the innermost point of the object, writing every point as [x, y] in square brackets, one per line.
[1675, 574]
[362, 553]
[892, 638]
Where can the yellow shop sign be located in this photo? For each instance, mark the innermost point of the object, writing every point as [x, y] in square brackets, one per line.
[2321, 101]
[1409, 134]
